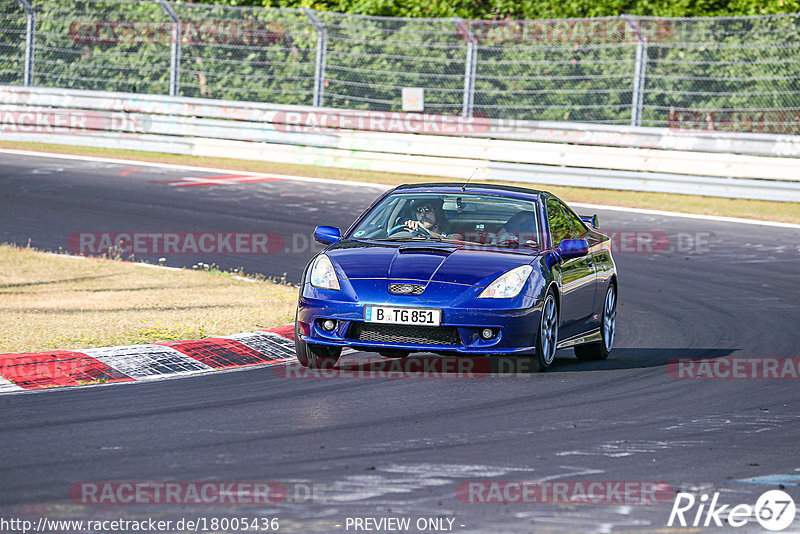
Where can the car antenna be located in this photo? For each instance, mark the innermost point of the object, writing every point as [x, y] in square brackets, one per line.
[464, 187]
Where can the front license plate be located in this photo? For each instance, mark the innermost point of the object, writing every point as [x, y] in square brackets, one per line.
[415, 316]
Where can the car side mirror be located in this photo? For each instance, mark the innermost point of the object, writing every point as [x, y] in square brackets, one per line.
[590, 219]
[573, 248]
[327, 235]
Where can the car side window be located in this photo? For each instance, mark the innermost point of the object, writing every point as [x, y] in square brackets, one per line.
[578, 228]
[560, 225]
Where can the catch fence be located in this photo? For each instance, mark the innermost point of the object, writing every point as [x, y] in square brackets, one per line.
[728, 74]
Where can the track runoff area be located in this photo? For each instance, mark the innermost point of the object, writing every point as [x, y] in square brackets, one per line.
[689, 424]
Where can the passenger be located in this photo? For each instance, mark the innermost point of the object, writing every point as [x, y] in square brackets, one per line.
[520, 229]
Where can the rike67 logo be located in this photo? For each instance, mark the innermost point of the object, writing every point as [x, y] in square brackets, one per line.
[774, 510]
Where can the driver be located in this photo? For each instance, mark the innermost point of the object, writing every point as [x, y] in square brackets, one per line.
[429, 219]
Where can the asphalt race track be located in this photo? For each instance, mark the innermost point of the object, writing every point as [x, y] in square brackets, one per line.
[357, 448]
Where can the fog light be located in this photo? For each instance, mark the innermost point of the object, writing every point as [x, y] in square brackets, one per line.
[328, 324]
[487, 333]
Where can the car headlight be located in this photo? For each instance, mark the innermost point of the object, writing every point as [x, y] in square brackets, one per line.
[323, 275]
[507, 285]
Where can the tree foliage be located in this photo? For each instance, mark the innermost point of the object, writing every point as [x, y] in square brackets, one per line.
[533, 9]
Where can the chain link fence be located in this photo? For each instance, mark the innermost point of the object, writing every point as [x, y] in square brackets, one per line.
[13, 31]
[91, 45]
[738, 73]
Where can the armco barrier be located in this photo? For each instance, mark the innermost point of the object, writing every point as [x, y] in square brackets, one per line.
[735, 165]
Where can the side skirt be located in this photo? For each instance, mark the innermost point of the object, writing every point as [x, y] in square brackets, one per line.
[592, 336]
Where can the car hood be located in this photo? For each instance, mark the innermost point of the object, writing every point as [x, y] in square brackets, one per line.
[424, 262]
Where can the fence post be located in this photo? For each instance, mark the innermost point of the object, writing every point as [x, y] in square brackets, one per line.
[322, 46]
[175, 49]
[637, 100]
[470, 64]
[30, 35]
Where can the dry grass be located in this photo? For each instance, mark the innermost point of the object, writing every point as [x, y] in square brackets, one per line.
[753, 209]
[59, 302]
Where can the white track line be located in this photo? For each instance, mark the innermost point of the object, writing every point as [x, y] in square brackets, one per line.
[384, 187]
[717, 218]
[192, 168]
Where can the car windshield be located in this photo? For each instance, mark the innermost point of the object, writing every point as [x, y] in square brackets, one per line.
[454, 217]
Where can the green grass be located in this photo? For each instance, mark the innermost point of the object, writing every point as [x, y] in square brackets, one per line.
[52, 301]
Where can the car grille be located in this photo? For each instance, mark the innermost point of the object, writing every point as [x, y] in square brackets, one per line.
[406, 289]
[394, 333]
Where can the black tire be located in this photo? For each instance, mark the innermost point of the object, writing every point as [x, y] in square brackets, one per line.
[299, 346]
[314, 356]
[608, 325]
[547, 335]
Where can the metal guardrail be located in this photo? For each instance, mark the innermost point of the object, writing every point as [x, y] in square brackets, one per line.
[676, 138]
[582, 155]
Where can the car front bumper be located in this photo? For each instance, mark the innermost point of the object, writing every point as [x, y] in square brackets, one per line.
[515, 322]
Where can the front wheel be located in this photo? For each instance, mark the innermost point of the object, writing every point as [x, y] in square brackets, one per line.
[314, 356]
[548, 333]
[608, 325]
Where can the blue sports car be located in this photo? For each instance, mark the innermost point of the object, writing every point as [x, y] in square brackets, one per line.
[460, 270]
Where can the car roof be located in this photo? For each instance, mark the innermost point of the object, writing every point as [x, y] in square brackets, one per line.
[455, 187]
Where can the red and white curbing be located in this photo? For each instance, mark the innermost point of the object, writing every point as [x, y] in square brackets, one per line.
[44, 370]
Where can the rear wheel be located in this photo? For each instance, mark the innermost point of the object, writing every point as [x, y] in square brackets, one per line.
[314, 356]
[548, 333]
[608, 325]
